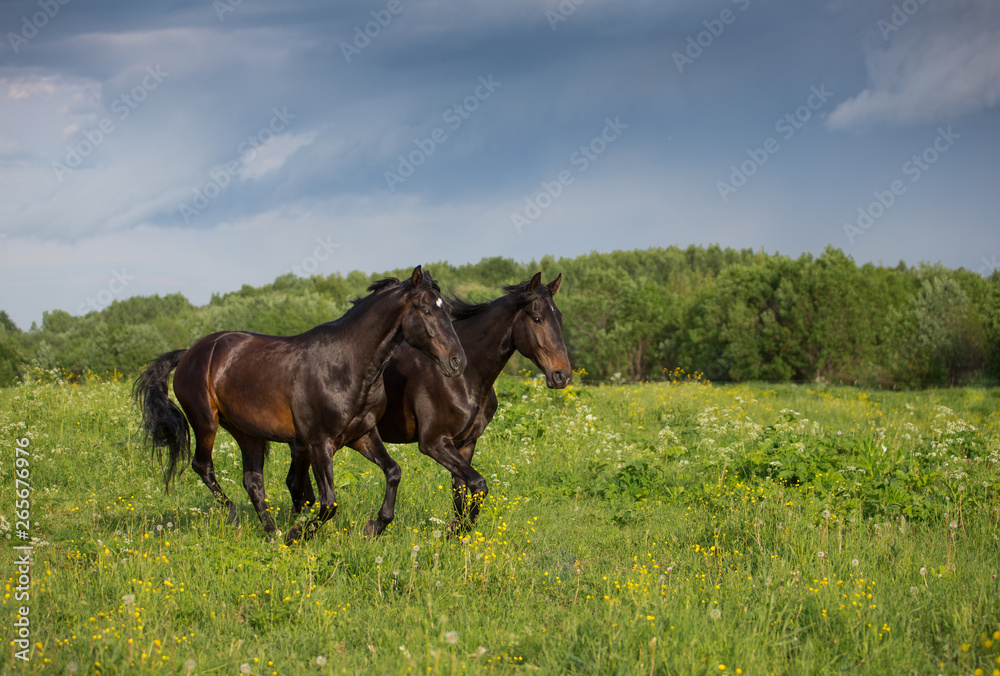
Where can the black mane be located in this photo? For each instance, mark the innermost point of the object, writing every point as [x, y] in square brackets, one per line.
[461, 309]
[518, 293]
[521, 289]
[381, 285]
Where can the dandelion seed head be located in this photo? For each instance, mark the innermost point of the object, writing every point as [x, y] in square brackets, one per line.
[128, 599]
[320, 661]
[451, 637]
[715, 613]
[245, 668]
[855, 562]
[378, 560]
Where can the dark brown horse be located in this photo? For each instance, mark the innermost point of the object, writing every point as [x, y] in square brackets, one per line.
[321, 389]
[447, 416]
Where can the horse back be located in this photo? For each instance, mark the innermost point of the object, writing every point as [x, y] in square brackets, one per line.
[246, 378]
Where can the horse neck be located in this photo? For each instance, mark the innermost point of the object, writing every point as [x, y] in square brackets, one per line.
[488, 341]
[377, 331]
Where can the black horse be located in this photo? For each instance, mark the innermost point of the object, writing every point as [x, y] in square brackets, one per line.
[447, 416]
[321, 389]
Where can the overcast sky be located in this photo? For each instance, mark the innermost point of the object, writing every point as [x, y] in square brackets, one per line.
[196, 146]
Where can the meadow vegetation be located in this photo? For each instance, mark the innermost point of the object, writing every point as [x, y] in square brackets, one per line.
[675, 527]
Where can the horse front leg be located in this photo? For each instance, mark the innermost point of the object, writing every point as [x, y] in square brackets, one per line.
[468, 487]
[371, 446]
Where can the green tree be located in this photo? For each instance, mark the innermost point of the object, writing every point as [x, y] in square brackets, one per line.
[938, 335]
[12, 354]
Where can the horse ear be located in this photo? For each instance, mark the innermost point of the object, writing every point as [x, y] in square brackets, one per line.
[417, 278]
[535, 281]
[554, 284]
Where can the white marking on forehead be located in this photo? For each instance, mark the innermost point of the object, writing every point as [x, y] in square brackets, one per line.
[439, 303]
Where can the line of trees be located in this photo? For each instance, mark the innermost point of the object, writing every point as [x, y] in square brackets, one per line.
[729, 314]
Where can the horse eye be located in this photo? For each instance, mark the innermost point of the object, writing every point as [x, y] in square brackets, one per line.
[425, 311]
[537, 320]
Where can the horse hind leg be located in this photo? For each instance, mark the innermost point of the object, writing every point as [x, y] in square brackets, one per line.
[318, 455]
[205, 424]
[254, 450]
[298, 482]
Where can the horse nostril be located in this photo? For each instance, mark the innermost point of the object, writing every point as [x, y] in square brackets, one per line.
[456, 363]
[560, 377]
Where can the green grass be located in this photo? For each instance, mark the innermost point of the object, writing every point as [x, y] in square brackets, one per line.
[672, 528]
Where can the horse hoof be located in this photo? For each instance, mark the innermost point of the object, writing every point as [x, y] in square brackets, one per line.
[294, 535]
[372, 529]
[457, 528]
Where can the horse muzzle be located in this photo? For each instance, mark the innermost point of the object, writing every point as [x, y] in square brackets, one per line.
[558, 379]
[454, 366]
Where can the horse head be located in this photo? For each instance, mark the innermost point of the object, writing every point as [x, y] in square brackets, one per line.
[537, 329]
[427, 325]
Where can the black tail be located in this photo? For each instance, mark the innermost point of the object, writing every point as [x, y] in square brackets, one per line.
[163, 420]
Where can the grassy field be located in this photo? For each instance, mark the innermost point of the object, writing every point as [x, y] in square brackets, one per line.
[671, 528]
